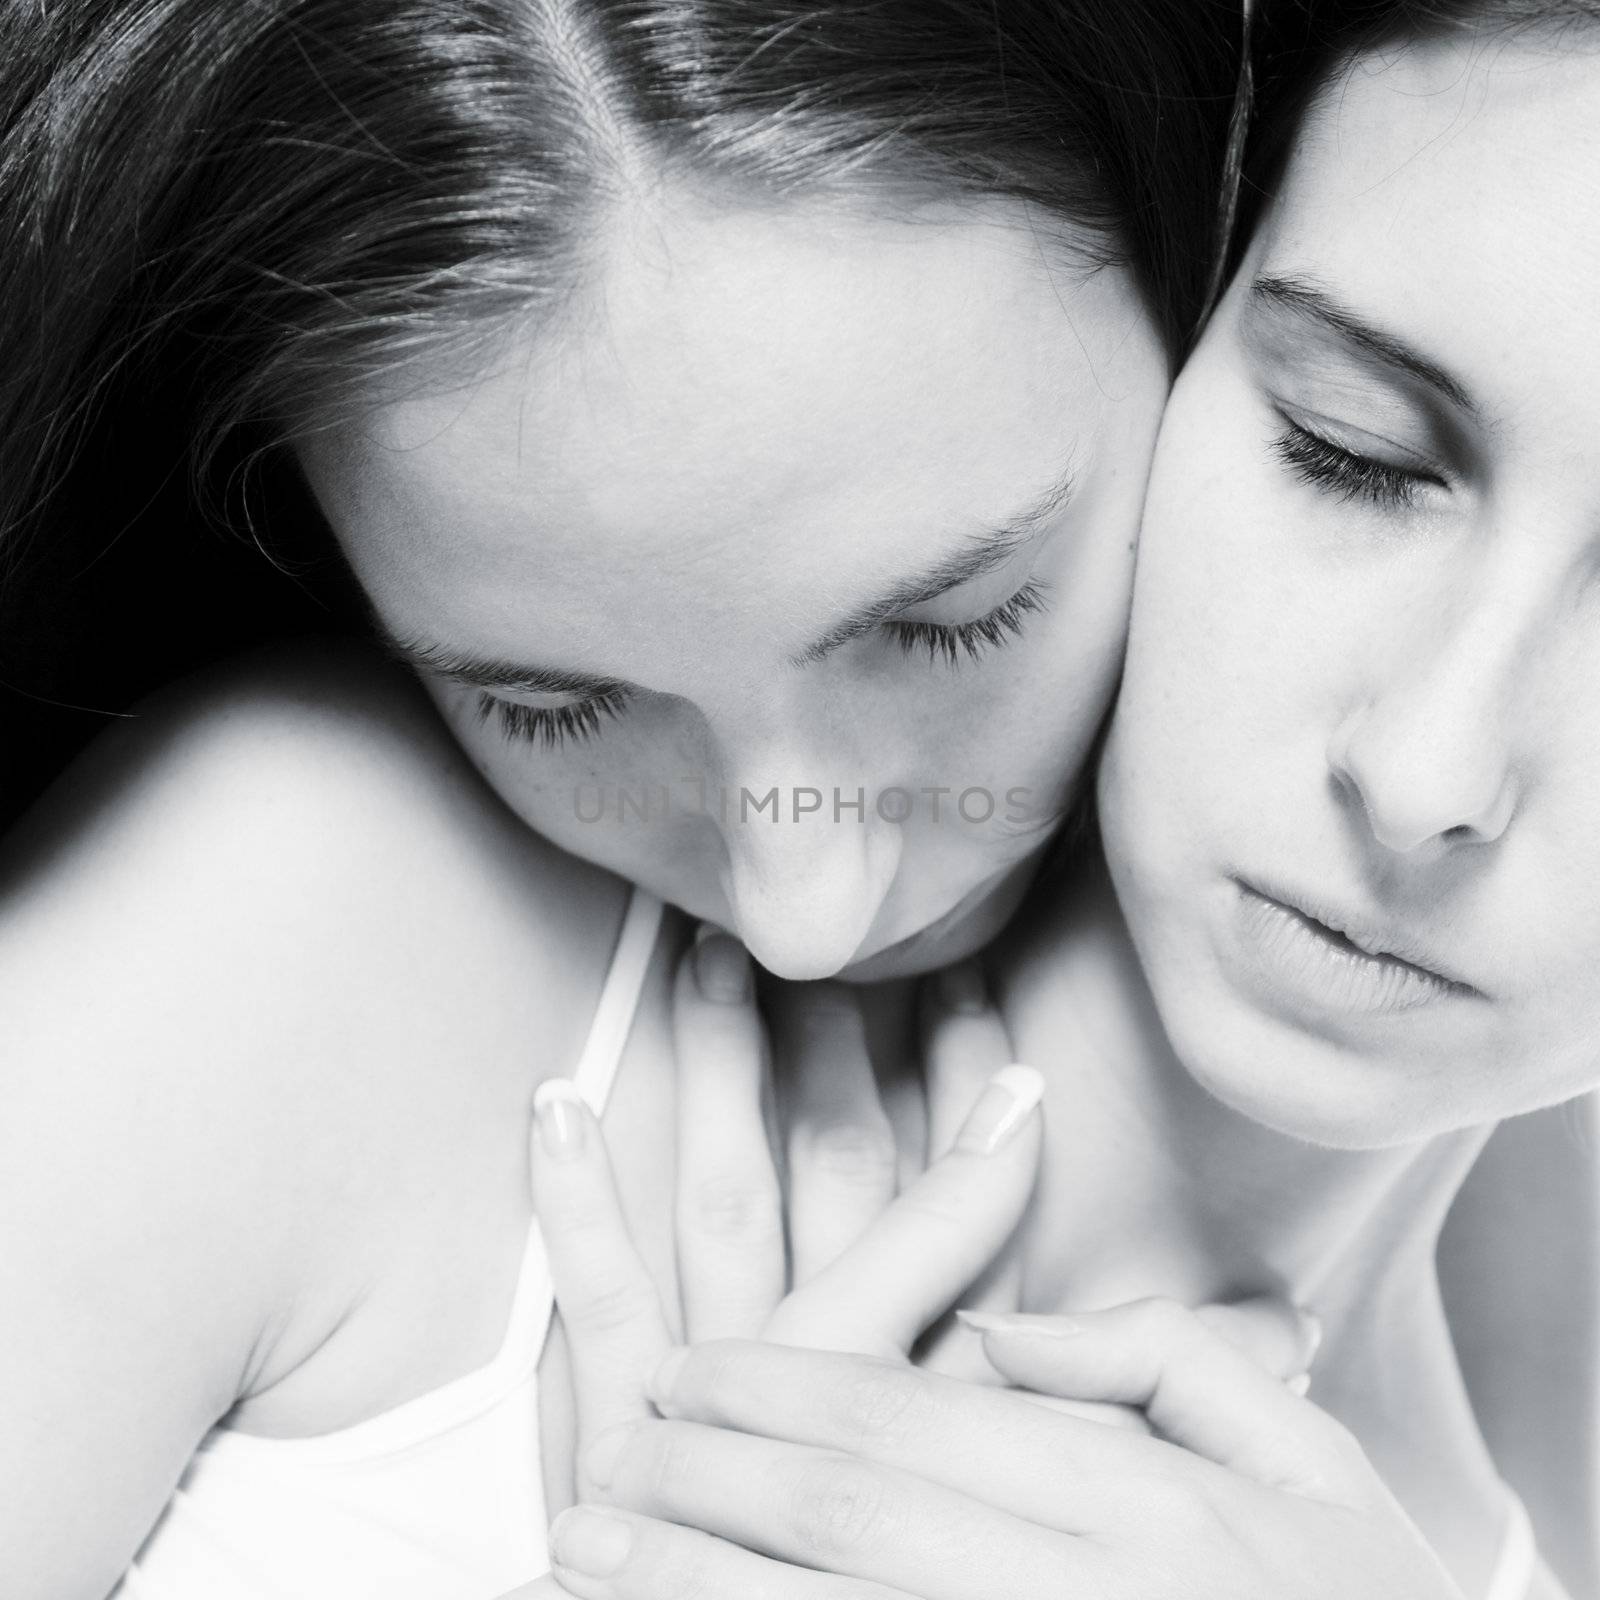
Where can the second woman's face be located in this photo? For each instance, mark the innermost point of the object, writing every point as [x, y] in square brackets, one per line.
[788, 575]
[1352, 793]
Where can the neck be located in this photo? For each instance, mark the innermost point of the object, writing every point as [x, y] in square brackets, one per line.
[1191, 1200]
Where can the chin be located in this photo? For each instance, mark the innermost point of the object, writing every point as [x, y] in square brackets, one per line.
[1295, 1083]
[1357, 1084]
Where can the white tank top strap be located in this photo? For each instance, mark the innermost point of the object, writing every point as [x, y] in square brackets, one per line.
[597, 1066]
[1519, 1556]
[594, 1074]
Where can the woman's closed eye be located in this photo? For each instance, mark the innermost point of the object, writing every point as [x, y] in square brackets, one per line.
[1347, 473]
[951, 641]
[550, 727]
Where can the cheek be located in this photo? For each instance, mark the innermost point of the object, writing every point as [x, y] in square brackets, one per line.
[572, 794]
[1033, 722]
[1049, 714]
[1243, 627]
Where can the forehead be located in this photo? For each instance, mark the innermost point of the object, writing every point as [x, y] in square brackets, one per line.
[759, 397]
[1455, 185]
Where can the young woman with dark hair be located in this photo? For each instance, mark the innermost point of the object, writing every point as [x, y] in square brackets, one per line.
[1347, 812]
[219, 224]
[752, 399]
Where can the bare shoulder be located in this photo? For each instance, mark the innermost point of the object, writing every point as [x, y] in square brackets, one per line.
[290, 760]
[279, 883]
[270, 814]
[260, 946]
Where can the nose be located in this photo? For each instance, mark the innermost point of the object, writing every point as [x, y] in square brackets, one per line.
[1428, 755]
[806, 880]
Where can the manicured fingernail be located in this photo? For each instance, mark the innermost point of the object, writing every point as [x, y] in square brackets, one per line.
[601, 1458]
[962, 990]
[589, 1541]
[1002, 1109]
[1022, 1326]
[561, 1114]
[1300, 1385]
[664, 1380]
[721, 967]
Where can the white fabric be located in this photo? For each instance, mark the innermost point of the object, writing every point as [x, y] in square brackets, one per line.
[437, 1499]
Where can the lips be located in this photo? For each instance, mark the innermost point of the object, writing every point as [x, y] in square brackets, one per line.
[1338, 959]
[1371, 935]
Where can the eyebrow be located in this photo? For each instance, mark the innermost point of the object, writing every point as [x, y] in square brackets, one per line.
[1306, 298]
[984, 552]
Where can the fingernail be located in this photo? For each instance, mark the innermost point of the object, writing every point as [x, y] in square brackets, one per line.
[1002, 1109]
[961, 988]
[601, 1458]
[664, 1380]
[721, 966]
[1023, 1326]
[1300, 1385]
[590, 1541]
[560, 1112]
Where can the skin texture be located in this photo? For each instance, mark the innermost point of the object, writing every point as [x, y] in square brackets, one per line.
[1386, 709]
[755, 423]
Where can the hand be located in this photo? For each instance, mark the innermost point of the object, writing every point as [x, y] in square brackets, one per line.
[901, 1261]
[802, 1475]
[862, 1273]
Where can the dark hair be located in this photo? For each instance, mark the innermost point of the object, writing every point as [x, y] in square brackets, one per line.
[1300, 48]
[215, 211]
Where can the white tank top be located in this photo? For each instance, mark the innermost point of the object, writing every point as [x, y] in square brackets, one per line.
[439, 1498]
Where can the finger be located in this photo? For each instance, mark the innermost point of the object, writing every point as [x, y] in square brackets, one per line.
[601, 1553]
[840, 1144]
[993, 1445]
[608, 1301]
[834, 1512]
[1199, 1390]
[546, 1588]
[729, 1213]
[1128, 1418]
[964, 1042]
[955, 1349]
[1281, 1339]
[908, 1267]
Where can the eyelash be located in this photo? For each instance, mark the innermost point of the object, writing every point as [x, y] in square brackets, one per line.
[553, 726]
[1327, 466]
[950, 641]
